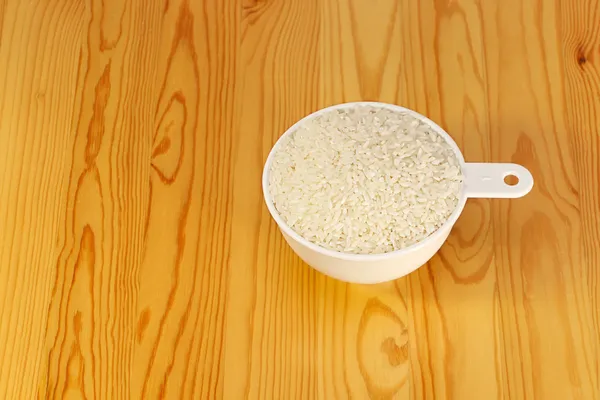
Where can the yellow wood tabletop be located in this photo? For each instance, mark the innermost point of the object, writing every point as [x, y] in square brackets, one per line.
[138, 260]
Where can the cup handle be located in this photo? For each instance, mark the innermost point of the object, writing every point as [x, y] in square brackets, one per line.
[486, 180]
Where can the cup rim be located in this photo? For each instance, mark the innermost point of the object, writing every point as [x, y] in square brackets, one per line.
[363, 257]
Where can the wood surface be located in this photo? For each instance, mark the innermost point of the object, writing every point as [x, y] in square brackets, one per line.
[137, 259]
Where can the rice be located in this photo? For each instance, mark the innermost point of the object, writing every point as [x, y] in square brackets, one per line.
[364, 180]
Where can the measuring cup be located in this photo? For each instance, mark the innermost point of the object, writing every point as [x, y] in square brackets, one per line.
[481, 180]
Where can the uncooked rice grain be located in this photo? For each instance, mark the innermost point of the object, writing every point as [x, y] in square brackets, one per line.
[364, 180]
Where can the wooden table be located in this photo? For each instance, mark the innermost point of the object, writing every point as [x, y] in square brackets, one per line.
[137, 259]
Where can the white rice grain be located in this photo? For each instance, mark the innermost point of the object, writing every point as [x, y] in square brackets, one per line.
[365, 180]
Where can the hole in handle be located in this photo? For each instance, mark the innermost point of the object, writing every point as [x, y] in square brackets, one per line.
[511, 180]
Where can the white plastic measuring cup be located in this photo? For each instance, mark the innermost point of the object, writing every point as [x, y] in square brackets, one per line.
[481, 180]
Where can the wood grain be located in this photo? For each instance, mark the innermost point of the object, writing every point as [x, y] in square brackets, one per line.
[137, 259]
